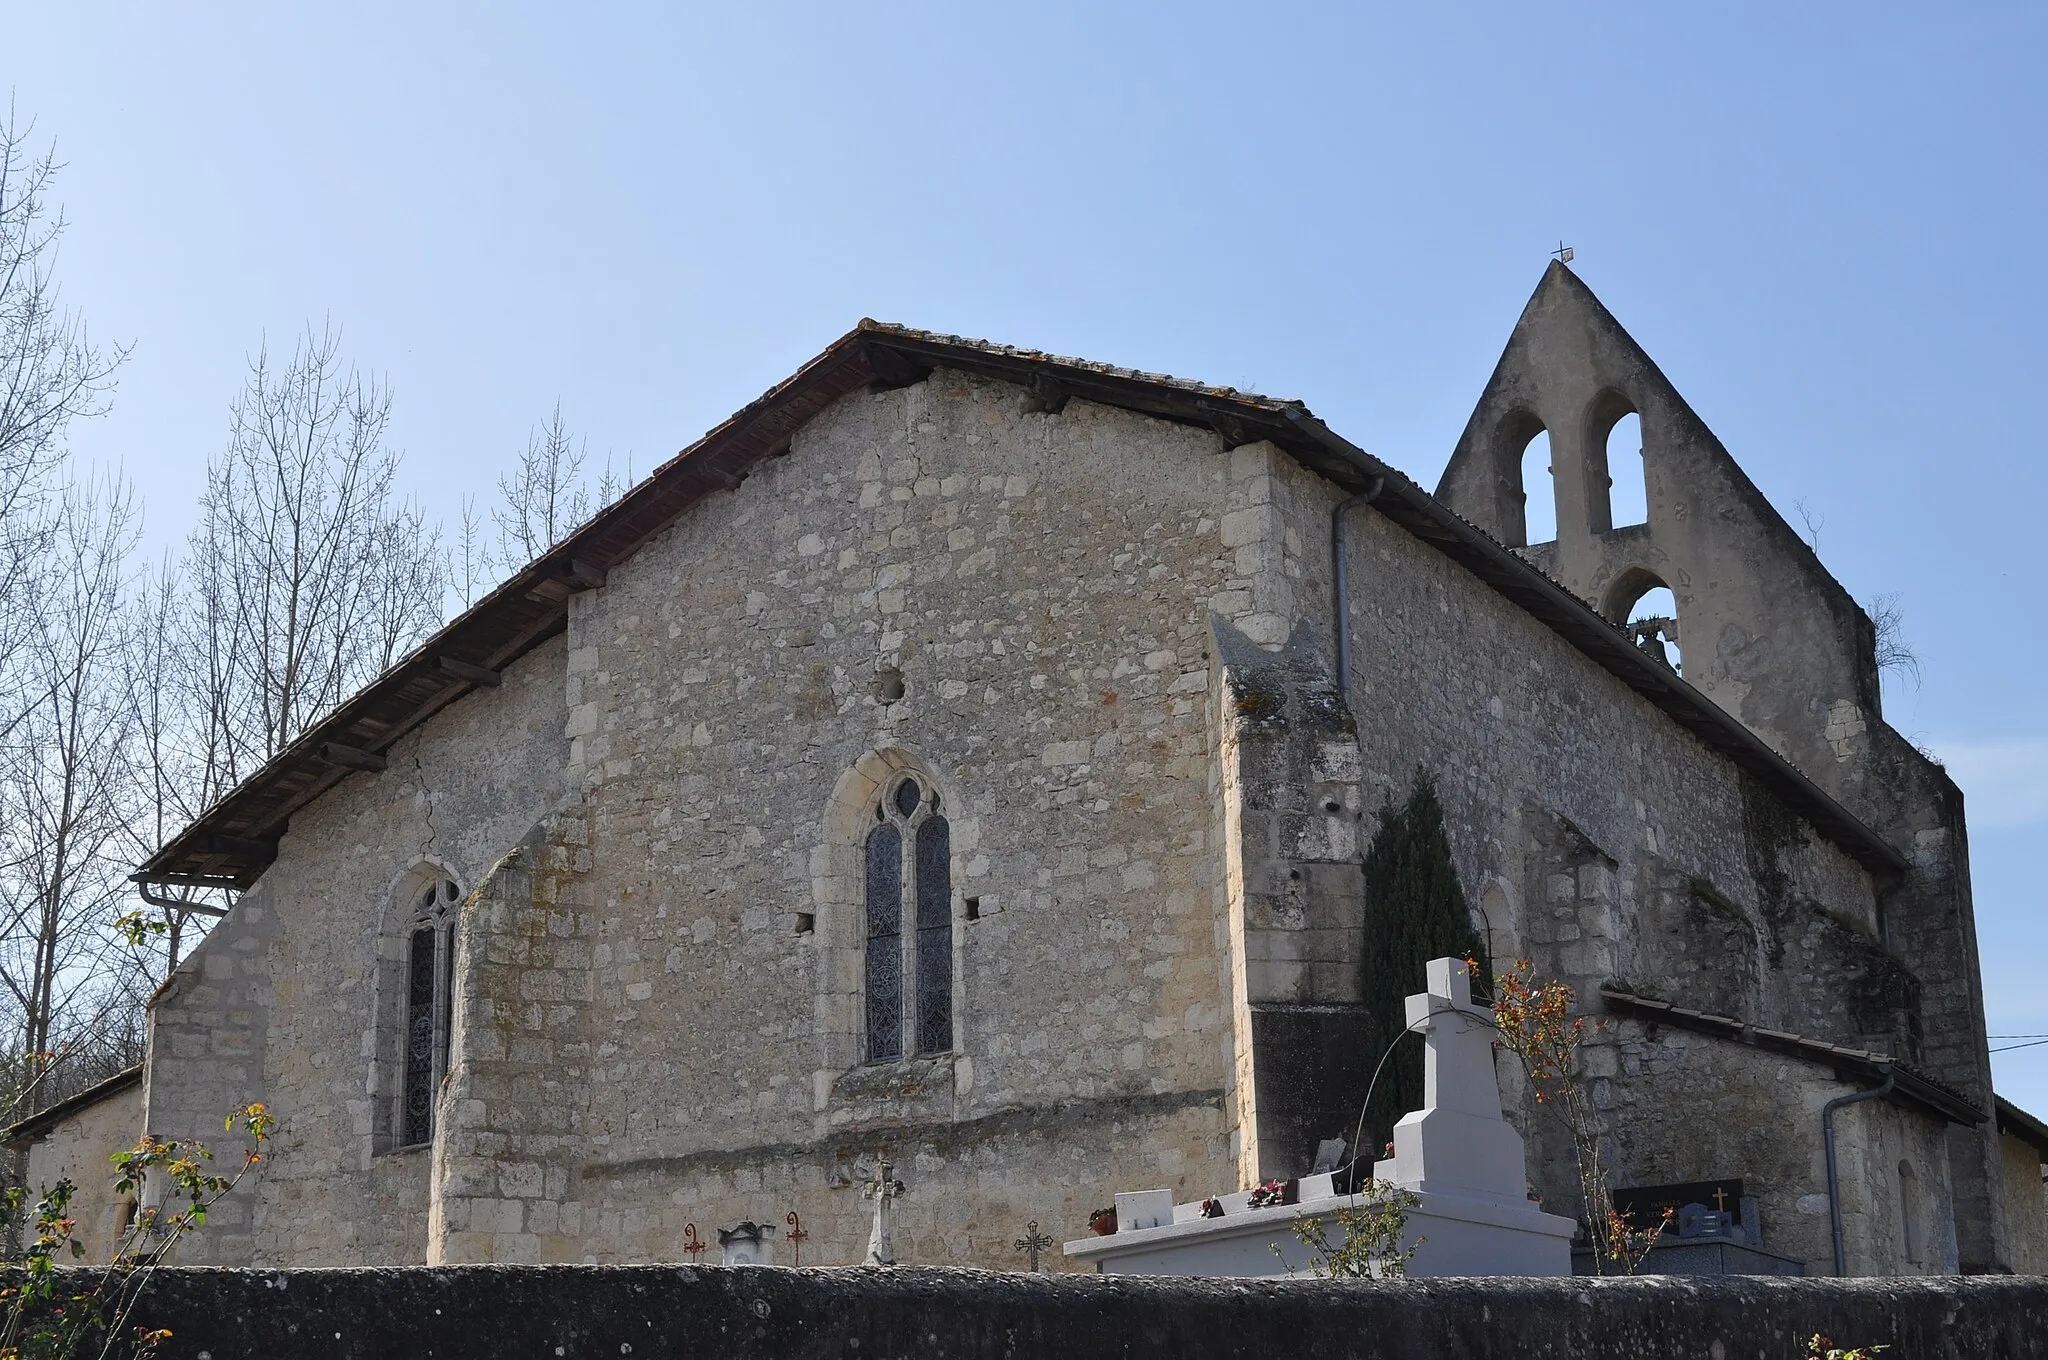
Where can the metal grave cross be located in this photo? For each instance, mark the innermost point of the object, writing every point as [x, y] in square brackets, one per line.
[1033, 1242]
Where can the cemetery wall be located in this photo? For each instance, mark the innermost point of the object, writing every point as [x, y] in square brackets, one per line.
[662, 1026]
[650, 1313]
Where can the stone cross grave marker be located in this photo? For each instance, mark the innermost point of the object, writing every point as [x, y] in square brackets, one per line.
[884, 1189]
[1457, 1144]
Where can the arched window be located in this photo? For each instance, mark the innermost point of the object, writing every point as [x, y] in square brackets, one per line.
[429, 987]
[1527, 446]
[1647, 611]
[1616, 493]
[909, 914]
[1628, 495]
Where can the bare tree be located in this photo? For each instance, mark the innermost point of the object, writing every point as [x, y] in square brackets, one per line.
[51, 372]
[176, 688]
[68, 1003]
[66, 784]
[544, 497]
[469, 567]
[311, 577]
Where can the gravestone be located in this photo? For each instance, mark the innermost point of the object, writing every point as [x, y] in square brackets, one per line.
[746, 1245]
[884, 1190]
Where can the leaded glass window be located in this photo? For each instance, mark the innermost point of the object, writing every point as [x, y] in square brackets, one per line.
[909, 902]
[934, 936]
[429, 992]
[885, 943]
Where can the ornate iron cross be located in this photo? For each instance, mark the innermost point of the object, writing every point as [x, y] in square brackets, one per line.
[692, 1243]
[1033, 1242]
[797, 1237]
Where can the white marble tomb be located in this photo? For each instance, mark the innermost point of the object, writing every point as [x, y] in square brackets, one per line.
[1463, 1162]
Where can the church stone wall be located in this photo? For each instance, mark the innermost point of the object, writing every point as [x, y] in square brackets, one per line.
[2026, 1200]
[1607, 845]
[76, 1148]
[655, 1036]
[280, 1003]
[1690, 1107]
[657, 1019]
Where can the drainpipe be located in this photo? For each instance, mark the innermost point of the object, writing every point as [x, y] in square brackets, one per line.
[174, 903]
[1343, 575]
[1827, 1132]
[1345, 451]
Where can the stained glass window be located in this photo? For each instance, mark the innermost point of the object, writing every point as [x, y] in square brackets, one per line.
[429, 1006]
[934, 936]
[909, 919]
[885, 943]
[419, 1038]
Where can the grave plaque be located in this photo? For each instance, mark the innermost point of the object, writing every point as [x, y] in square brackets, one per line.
[1645, 1204]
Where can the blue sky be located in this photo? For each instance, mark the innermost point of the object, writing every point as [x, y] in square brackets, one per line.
[1822, 220]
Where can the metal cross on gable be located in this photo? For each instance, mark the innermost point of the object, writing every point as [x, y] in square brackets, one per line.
[1563, 253]
[1033, 1242]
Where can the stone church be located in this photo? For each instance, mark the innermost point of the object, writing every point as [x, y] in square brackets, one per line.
[963, 757]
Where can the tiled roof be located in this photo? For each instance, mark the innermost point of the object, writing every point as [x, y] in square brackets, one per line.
[1909, 1083]
[40, 1123]
[2021, 1125]
[236, 839]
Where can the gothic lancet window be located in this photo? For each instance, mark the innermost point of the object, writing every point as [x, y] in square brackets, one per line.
[909, 890]
[429, 987]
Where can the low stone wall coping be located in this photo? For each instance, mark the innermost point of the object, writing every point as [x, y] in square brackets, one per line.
[880, 1314]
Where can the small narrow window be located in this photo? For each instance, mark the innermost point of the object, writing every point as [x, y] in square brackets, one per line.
[419, 1039]
[429, 1008]
[885, 943]
[934, 936]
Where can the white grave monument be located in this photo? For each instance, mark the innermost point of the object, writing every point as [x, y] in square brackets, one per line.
[1456, 1154]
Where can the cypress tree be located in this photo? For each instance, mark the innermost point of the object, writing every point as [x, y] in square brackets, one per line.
[1415, 911]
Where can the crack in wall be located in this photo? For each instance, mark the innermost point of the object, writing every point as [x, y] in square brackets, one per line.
[427, 796]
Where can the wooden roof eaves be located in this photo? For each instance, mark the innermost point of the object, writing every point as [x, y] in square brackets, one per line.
[875, 353]
[518, 616]
[2016, 1122]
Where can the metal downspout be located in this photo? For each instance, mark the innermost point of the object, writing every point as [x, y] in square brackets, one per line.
[1827, 1131]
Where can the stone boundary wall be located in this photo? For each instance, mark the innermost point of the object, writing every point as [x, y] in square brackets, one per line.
[650, 1312]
